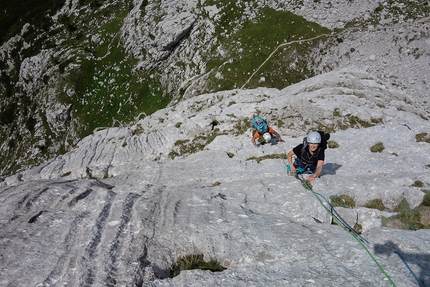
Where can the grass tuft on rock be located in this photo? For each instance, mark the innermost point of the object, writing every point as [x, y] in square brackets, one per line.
[258, 159]
[378, 147]
[332, 144]
[342, 200]
[422, 137]
[195, 261]
[410, 219]
[375, 204]
[418, 183]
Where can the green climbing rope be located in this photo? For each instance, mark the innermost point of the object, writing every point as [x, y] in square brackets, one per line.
[305, 183]
[308, 187]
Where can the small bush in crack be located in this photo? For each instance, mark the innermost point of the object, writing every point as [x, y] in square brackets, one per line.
[230, 154]
[195, 261]
[378, 147]
[422, 137]
[418, 183]
[358, 228]
[138, 130]
[183, 147]
[332, 144]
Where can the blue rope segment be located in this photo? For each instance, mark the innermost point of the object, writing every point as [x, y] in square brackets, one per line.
[410, 270]
[346, 229]
[342, 223]
[334, 212]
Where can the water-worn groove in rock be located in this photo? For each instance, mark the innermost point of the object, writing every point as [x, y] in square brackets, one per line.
[69, 260]
[81, 196]
[89, 272]
[119, 239]
[34, 218]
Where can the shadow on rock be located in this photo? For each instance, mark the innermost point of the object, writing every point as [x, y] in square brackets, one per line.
[422, 261]
[331, 168]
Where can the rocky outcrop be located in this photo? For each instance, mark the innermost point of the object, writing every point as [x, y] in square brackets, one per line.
[118, 210]
[172, 43]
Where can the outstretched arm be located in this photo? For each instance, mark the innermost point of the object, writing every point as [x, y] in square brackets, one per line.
[277, 136]
[317, 171]
[253, 139]
[290, 161]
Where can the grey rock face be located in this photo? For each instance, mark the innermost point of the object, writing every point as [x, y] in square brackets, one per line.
[171, 38]
[118, 210]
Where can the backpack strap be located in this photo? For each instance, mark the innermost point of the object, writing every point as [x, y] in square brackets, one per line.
[304, 155]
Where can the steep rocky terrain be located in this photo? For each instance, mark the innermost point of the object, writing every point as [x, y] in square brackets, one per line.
[122, 204]
[94, 63]
[119, 211]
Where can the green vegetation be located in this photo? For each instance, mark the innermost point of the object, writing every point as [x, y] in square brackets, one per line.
[341, 122]
[332, 144]
[410, 219]
[195, 261]
[19, 12]
[355, 121]
[106, 88]
[375, 204]
[230, 154]
[342, 200]
[258, 159]
[422, 137]
[66, 174]
[378, 147]
[398, 11]
[251, 45]
[184, 147]
[418, 183]
[403, 10]
[426, 199]
[138, 130]
[91, 71]
[358, 228]
[242, 126]
[336, 113]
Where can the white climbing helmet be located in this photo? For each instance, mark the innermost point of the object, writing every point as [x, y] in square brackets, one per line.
[314, 138]
[267, 137]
